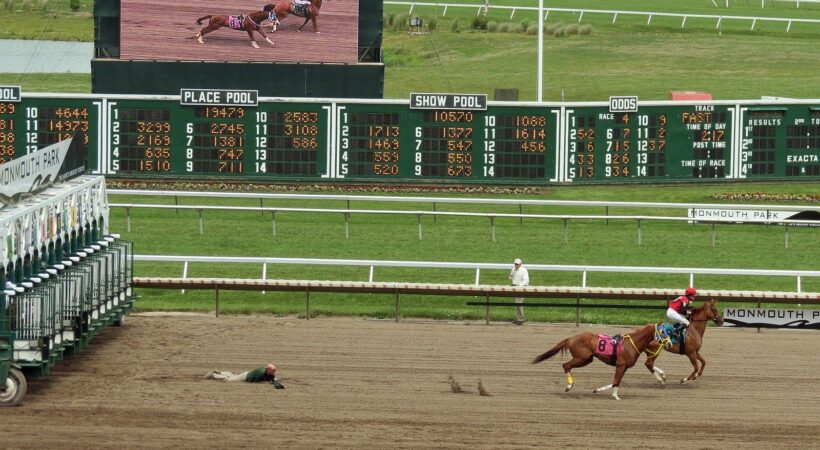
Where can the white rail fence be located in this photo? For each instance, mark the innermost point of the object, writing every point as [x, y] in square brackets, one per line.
[584, 270]
[348, 212]
[614, 13]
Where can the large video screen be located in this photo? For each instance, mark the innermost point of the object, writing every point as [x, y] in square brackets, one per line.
[168, 30]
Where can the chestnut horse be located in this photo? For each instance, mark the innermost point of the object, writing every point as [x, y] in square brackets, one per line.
[694, 340]
[307, 9]
[583, 347]
[249, 22]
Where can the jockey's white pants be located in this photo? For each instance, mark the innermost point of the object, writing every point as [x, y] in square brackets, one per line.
[228, 376]
[676, 317]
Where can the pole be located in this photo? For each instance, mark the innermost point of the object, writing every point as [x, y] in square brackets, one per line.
[540, 51]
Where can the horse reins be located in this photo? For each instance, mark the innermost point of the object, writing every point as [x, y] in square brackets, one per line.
[271, 17]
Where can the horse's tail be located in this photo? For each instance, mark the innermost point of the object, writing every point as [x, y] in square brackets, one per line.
[199, 21]
[551, 352]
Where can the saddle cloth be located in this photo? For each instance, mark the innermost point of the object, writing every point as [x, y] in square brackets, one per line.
[609, 348]
[236, 22]
[301, 9]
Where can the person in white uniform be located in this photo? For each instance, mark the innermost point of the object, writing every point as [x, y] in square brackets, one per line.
[519, 277]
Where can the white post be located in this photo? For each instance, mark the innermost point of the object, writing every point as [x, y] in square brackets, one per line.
[478, 274]
[184, 272]
[264, 273]
[540, 96]
[370, 277]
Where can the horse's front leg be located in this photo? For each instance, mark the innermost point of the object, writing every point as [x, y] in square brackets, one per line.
[650, 365]
[692, 359]
[702, 364]
[620, 370]
[253, 41]
[265, 36]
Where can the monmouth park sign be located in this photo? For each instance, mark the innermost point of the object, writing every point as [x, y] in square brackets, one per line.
[772, 318]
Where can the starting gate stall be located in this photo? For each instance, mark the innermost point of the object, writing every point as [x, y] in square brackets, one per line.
[64, 277]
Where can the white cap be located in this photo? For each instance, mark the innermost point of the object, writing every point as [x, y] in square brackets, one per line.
[517, 261]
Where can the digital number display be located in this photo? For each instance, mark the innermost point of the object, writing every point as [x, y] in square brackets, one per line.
[8, 136]
[653, 143]
[444, 144]
[215, 140]
[342, 140]
[371, 144]
[142, 140]
[515, 146]
[287, 142]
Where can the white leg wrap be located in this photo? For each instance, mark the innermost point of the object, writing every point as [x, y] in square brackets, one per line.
[254, 44]
[602, 388]
[660, 375]
[615, 394]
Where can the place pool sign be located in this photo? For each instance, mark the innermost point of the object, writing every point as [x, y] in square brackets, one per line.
[461, 102]
[218, 97]
[10, 93]
[771, 318]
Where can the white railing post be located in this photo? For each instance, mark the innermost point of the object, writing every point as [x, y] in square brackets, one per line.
[184, 272]
[264, 273]
[370, 275]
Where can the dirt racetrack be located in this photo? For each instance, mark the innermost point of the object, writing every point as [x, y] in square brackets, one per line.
[354, 382]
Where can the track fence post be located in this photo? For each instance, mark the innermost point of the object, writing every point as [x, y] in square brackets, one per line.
[418, 219]
[714, 235]
[307, 303]
[492, 226]
[216, 288]
[577, 311]
[201, 223]
[398, 307]
[487, 310]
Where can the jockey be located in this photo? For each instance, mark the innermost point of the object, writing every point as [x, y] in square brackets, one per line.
[679, 307]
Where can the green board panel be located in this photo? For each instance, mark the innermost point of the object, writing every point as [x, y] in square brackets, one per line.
[656, 143]
[277, 140]
[376, 141]
[504, 144]
[780, 141]
[39, 122]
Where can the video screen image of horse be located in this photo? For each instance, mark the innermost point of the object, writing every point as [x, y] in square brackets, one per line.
[243, 31]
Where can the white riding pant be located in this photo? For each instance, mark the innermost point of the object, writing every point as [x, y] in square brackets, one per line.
[228, 376]
[676, 317]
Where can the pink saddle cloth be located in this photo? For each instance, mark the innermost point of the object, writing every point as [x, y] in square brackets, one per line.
[608, 349]
[235, 22]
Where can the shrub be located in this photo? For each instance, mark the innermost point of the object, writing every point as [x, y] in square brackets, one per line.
[560, 31]
[525, 24]
[454, 26]
[432, 23]
[75, 5]
[8, 5]
[479, 22]
[532, 30]
[504, 28]
[390, 18]
[572, 28]
[492, 26]
[26, 5]
[517, 29]
[585, 29]
[549, 29]
[400, 22]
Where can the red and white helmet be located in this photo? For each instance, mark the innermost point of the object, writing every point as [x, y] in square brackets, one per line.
[691, 291]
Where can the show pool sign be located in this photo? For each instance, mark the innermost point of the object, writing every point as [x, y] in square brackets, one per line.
[461, 102]
[772, 318]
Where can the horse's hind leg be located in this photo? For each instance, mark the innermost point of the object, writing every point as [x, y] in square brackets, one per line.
[571, 364]
[303, 24]
[207, 29]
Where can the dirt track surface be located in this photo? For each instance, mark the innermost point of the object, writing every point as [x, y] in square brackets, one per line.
[376, 383]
